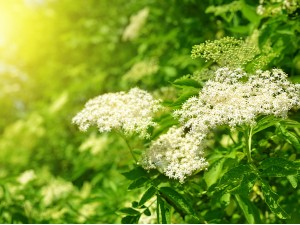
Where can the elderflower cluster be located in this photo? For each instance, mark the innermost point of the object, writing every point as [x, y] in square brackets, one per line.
[130, 112]
[230, 100]
[137, 21]
[176, 154]
[227, 51]
[141, 69]
[275, 7]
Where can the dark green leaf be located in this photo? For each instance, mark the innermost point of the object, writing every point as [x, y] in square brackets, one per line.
[129, 211]
[249, 209]
[147, 195]
[138, 183]
[147, 212]
[130, 219]
[177, 200]
[234, 177]
[162, 213]
[278, 171]
[135, 173]
[278, 162]
[271, 199]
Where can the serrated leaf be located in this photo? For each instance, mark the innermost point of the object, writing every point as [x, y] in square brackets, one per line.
[147, 195]
[135, 173]
[177, 200]
[249, 209]
[293, 180]
[138, 183]
[129, 211]
[271, 198]
[130, 219]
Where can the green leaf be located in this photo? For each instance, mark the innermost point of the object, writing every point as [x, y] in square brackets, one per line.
[147, 212]
[233, 177]
[278, 171]
[293, 180]
[138, 183]
[135, 173]
[249, 209]
[271, 198]
[147, 195]
[130, 219]
[246, 185]
[162, 212]
[177, 200]
[212, 175]
[278, 162]
[182, 82]
[185, 95]
[265, 123]
[250, 13]
[290, 123]
[129, 211]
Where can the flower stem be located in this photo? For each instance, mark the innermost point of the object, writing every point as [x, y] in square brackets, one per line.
[128, 145]
[248, 149]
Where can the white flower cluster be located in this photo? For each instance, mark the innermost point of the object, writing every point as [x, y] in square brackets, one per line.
[229, 100]
[137, 21]
[141, 69]
[130, 112]
[274, 7]
[176, 154]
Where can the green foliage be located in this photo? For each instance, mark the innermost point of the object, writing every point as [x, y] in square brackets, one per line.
[55, 55]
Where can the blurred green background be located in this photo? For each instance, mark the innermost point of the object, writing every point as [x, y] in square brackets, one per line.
[57, 54]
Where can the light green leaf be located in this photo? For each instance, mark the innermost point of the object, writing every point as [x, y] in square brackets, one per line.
[293, 180]
[212, 175]
[182, 82]
[265, 123]
[185, 95]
